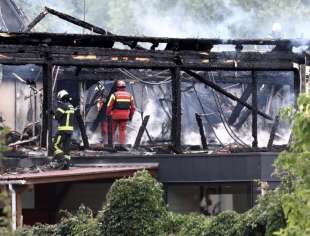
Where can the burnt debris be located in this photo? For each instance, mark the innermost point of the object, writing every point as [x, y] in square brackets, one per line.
[177, 69]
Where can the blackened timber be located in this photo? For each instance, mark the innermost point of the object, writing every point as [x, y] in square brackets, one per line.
[47, 121]
[110, 131]
[141, 131]
[36, 38]
[219, 89]
[273, 131]
[176, 109]
[296, 82]
[36, 20]
[82, 128]
[86, 25]
[236, 112]
[78, 22]
[44, 109]
[114, 58]
[254, 110]
[201, 131]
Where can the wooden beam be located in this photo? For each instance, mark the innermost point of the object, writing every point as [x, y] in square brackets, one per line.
[86, 25]
[110, 136]
[219, 89]
[273, 131]
[176, 109]
[201, 131]
[80, 121]
[47, 117]
[190, 43]
[141, 132]
[254, 110]
[36, 20]
[237, 109]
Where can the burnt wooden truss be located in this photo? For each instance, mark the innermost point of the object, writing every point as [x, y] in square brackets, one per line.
[178, 55]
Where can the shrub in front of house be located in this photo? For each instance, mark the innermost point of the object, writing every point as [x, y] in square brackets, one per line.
[135, 206]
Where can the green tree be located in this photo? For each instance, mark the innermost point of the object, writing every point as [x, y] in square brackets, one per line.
[134, 206]
[294, 168]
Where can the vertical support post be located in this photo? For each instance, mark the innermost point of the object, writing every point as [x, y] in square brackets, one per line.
[15, 105]
[13, 206]
[47, 119]
[296, 84]
[19, 209]
[254, 110]
[82, 98]
[201, 131]
[110, 138]
[176, 108]
[82, 128]
[302, 79]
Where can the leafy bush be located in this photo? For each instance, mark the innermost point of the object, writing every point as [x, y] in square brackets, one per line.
[224, 224]
[81, 223]
[5, 226]
[134, 206]
[267, 217]
[189, 224]
[3, 146]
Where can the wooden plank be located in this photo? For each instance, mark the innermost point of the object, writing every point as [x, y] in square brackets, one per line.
[86, 25]
[273, 131]
[80, 121]
[36, 20]
[47, 117]
[254, 110]
[201, 131]
[192, 42]
[97, 176]
[110, 136]
[141, 131]
[176, 109]
[237, 109]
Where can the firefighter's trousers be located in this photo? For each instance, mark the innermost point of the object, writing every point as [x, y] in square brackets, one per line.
[104, 131]
[121, 125]
[62, 145]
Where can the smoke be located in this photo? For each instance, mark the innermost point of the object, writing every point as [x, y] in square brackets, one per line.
[154, 125]
[177, 22]
[222, 19]
[180, 18]
[245, 135]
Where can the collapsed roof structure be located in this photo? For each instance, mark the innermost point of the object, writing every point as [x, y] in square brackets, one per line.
[188, 91]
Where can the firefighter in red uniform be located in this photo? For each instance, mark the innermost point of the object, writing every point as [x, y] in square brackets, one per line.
[121, 109]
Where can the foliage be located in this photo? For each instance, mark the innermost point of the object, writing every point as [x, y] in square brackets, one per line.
[266, 217]
[82, 223]
[134, 206]
[3, 146]
[189, 224]
[5, 226]
[293, 166]
[224, 224]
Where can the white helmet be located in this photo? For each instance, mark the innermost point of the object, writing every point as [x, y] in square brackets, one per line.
[62, 94]
[100, 86]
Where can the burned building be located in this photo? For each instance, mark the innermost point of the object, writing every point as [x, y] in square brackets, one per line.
[207, 125]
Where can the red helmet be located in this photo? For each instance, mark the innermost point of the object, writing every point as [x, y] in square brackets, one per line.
[120, 84]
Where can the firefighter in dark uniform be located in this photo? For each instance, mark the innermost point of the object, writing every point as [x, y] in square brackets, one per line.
[64, 116]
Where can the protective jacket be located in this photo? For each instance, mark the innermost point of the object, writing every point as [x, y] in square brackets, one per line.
[64, 115]
[121, 106]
